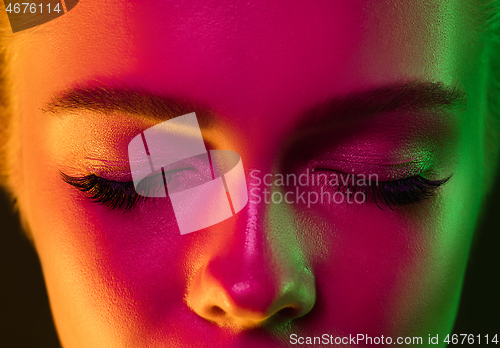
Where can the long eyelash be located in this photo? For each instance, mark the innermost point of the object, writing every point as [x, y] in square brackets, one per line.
[122, 195]
[411, 190]
[113, 194]
[401, 192]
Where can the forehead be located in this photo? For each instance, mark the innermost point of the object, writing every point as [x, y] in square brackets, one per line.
[252, 59]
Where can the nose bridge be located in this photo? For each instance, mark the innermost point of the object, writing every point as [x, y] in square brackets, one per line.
[247, 269]
[257, 273]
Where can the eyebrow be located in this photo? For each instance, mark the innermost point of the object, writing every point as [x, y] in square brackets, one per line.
[412, 96]
[415, 95]
[333, 112]
[141, 103]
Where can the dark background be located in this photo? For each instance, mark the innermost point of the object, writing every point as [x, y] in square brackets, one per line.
[25, 319]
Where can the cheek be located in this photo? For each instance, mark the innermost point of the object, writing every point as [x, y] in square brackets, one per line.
[138, 250]
[394, 265]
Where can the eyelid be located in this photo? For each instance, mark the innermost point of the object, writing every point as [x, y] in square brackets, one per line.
[392, 193]
[422, 189]
[384, 171]
[124, 194]
[119, 171]
[114, 194]
[107, 169]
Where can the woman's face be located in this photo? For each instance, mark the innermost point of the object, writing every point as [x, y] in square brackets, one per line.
[291, 88]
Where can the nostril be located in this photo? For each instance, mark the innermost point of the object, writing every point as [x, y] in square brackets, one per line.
[288, 313]
[216, 311]
[250, 295]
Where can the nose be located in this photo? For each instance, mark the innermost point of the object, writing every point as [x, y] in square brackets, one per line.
[255, 278]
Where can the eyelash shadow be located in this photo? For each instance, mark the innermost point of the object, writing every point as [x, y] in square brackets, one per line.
[113, 194]
[123, 196]
[406, 191]
[392, 194]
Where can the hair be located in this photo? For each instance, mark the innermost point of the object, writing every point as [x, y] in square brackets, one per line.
[485, 18]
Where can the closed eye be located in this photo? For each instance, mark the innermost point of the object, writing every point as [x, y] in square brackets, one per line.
[123, 196]
[406, 191]
[395, 193]
[113, 194]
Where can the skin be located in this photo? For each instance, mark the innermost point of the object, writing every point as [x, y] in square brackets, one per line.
[130, 280]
